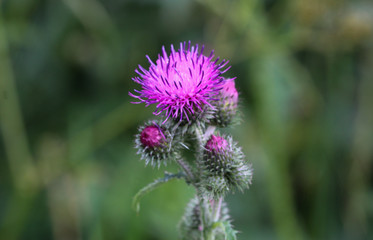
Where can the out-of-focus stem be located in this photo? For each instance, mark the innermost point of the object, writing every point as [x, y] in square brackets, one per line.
[210, 130]
[217, 209]
[203, 214]
[11, 122]
[23, 171]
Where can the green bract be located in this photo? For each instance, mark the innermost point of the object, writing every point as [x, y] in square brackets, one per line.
[158, 146]
[224, 168]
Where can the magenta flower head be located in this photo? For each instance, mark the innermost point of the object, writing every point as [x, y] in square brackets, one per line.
[182, 84]
[152, 136]
[153, 143]
[226, 106]
[216, 144]
[229, 92]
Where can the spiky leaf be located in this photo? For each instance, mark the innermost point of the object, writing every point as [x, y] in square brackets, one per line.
[150, 187]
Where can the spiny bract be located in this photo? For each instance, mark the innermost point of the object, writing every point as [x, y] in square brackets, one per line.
[223, 167]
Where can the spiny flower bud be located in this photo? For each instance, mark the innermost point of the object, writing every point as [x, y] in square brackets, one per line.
[223, 217]
[226, 106]
[190, 226]
[223, 167]
[154, 144]
[216, 144]
[152, 136]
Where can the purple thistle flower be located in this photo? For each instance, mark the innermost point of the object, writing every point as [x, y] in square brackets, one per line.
[229, 93]
[226, 106]
[216, 144]
[182, 84]
[155, 144]
[152, 136]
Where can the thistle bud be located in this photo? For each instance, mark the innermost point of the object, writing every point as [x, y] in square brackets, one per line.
[190, 226]
[154, 144]
[226, 106]
[216, 144]
[152, 136]
[223, 167]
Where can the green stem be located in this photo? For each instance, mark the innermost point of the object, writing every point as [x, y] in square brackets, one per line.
[203, 214]
[217, 209]
[192, 180]
[150, 187]
[209, 232]
[206, 231]
[185, 166]
[209, 131]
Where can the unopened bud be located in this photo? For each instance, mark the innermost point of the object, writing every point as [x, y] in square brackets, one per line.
[152, 136]
[154, 144]
[223, 167]
[216, 144]
[226, 106]
[191, 226]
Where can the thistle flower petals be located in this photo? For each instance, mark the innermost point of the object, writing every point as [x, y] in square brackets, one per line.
[180, 83]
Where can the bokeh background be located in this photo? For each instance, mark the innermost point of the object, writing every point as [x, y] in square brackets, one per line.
[304, 69]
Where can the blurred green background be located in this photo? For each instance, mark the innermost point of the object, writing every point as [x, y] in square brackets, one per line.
[68, 169]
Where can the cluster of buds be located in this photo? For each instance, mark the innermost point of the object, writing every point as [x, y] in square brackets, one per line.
[193, 99]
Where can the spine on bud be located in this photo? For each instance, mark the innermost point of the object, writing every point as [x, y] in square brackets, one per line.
[223, 167]
[156, 144]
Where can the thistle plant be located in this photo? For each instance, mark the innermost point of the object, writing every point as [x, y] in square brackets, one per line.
[193, 101]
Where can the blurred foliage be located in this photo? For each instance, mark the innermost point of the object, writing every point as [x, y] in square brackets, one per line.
[68, 167]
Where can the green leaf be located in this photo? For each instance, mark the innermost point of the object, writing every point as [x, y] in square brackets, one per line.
[230, 233]
[150, 187]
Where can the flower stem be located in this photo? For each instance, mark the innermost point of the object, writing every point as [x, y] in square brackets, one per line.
[203, 214]
[217, 209]
[210, 130]
[190, 177]
[185, 166]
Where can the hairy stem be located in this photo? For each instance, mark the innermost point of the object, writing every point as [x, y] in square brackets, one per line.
[217, 209]
[210, 130]
[185, 166]
[207, 232]
[191, 179]
[203, 214]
